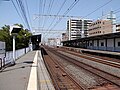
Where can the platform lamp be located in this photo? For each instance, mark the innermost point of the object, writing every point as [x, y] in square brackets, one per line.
[14, 30]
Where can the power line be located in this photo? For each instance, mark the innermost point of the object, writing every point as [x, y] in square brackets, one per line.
[23, 13]
[17, 11]
[83, 17]
[40, 10]
[98, 8]
[116, 12]
[48, 11]
[57, 13]
[44, 4]
[86, 15]
[58, 16]
[117, 9]
[50, 6]
[70, 7]
[28, 12]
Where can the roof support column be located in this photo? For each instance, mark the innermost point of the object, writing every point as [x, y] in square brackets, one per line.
[98, 44]
[114, 44]
[106, 44]
[92, 44]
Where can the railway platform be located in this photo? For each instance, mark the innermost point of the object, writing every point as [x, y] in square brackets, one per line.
[29, 73]
[96, 52]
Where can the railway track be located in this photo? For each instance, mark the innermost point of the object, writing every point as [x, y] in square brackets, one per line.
[61, 79]
[107, 76]
[106, 61]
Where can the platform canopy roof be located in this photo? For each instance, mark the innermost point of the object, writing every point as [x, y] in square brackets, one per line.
[98, 37]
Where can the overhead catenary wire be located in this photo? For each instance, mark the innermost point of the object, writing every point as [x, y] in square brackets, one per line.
[48, 11]
[19, 3]
[89, 13]
[84, 16]
[44, 4]
[18, 11]
[50, 6]
[43, 11]
[98, 8]
[39, 11]
[28, 13]
[116, 10]
[66, 12]
[23, 12]
[57, 13]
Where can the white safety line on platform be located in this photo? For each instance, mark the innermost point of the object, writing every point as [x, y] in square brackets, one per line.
[32, 84]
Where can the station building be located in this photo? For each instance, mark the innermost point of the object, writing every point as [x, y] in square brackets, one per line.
[35, 41]
[102, 36]
[107, 42]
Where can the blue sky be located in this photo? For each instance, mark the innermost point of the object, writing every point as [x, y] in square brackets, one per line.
[9, 15]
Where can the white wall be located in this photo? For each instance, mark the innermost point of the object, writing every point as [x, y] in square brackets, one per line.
[18, 54]
[116, 42]
[110, 42]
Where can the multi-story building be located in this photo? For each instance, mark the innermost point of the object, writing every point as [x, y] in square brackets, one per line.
[77, 28]
[54, 41]
[64, 37]
[100, 27]
[118, 28]
[103, 26]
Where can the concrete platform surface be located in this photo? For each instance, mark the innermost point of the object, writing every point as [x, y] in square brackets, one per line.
[26, 74]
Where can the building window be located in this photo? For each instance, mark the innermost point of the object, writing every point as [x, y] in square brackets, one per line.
[118, 44]
[102, 43]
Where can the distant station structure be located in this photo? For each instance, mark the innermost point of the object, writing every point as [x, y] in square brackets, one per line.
[36, 40]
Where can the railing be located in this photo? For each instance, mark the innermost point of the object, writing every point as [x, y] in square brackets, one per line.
[9, 56]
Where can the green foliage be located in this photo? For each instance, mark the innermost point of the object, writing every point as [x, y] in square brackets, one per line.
[22, 39]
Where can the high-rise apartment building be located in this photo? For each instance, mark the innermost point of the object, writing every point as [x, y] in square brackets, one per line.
[77, 28]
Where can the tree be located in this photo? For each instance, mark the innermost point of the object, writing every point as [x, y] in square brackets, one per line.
[22, 38]
[5, 36]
